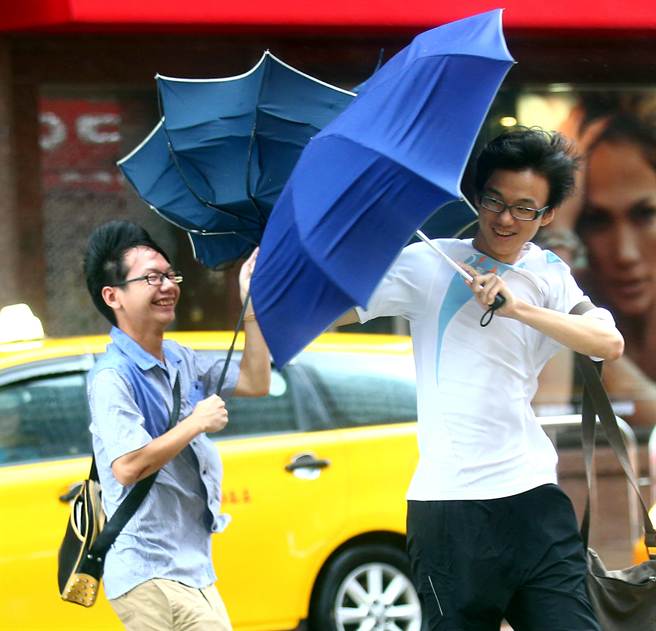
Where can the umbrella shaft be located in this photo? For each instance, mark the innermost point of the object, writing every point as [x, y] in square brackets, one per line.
[447, 258]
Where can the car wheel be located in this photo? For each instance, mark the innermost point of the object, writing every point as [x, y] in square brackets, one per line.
[367, 587]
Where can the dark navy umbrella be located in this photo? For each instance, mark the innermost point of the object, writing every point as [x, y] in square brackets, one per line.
[365, 183]
[217, 161]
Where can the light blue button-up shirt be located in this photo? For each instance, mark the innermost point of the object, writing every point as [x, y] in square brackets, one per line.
[169, 535]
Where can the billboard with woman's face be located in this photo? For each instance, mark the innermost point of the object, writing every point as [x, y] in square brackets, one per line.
[607, 230]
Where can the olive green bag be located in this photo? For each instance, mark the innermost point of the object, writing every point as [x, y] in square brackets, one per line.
[624, 600]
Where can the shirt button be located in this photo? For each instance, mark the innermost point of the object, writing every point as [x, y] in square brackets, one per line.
[204, 471]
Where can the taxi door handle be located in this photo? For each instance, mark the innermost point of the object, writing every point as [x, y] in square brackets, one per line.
[306, 461]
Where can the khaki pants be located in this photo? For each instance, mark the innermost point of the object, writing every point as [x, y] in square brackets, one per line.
[163, 605]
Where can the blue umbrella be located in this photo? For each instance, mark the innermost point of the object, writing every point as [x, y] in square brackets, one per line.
[365, 183]
[218, 159]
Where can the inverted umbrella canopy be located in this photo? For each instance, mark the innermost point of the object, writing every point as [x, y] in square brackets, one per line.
[365, 183]
[217, 161]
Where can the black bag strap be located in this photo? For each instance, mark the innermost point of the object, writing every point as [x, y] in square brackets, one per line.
[596, 404]
[93, 473]
[129, 505]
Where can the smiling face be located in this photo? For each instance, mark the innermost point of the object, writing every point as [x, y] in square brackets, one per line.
[139, 307]
[500, 235]
[618, 226]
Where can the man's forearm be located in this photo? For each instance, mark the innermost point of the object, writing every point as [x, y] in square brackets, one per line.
[255, 368]
[139, 464]
[587, 335]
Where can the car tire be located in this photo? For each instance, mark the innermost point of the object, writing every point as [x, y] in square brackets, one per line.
[366, 583]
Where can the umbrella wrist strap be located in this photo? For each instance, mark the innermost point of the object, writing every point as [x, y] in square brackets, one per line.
[240, 321]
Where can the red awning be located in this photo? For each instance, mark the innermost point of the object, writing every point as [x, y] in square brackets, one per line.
[145, 15]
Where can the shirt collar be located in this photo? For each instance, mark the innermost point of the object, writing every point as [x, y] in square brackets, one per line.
[141, 357]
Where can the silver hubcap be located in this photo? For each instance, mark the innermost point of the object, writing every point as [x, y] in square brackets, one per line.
[377, 597]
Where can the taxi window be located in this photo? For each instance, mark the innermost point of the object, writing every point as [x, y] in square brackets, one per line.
[273, 413]
[45, 417]
[363, 389]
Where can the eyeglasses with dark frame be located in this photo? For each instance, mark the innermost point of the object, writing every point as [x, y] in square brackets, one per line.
[154, 279]
[517, 211]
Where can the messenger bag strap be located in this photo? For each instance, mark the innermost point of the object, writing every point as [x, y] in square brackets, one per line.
[588, 429]
[597, 404]
[93, 473]
[129, 506]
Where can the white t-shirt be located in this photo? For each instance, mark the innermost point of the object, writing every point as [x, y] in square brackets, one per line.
[478, 435]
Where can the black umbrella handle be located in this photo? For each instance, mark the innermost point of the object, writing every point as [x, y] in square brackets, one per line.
[499, 301]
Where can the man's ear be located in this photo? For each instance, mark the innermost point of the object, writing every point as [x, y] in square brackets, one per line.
[110, 296]
[548, 217]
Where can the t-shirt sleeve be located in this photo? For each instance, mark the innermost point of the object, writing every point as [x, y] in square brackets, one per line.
[403, 291]
[115, 418]
[564, 293]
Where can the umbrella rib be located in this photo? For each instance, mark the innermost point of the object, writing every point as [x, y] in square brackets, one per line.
[382, 154]
[452, 55]
[310, 77]
[251, 143]
[142, 144]
[183, 177]
[206, 233]
[218, 79]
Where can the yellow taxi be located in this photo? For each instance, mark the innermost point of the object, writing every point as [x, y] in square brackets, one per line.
[315, 477]
[640, 553]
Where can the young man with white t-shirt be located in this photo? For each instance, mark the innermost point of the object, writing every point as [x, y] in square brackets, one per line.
[490, 535]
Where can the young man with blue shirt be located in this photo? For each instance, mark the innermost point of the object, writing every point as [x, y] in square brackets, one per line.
[158, 574]
[490, 534]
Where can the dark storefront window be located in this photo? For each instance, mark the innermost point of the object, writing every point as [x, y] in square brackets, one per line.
[83, 134]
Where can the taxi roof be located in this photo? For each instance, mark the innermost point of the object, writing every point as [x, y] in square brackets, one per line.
[17, 353]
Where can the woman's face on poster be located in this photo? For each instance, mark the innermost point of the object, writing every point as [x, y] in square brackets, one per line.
[619, 226]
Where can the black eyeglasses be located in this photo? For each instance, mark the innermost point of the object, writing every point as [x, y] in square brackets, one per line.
[154, 279]
[522, 213]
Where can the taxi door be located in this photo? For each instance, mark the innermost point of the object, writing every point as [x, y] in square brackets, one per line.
[286, 493]
[43, 445]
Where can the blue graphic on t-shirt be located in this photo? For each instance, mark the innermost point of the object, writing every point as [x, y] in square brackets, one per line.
[552, 258]
[458, 293]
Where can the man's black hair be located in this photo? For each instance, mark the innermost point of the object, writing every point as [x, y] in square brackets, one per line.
[545, 153]
[104, 263]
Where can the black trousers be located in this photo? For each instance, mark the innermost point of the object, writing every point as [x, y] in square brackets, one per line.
[475, 562]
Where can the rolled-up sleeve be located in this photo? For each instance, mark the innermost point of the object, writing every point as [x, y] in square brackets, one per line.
[115, 417]
[209, 370]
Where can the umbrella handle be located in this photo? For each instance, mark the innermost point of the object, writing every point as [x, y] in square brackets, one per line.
[486, 318]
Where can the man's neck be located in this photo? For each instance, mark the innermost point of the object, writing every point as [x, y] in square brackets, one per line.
[150, 340]
[479, 243]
